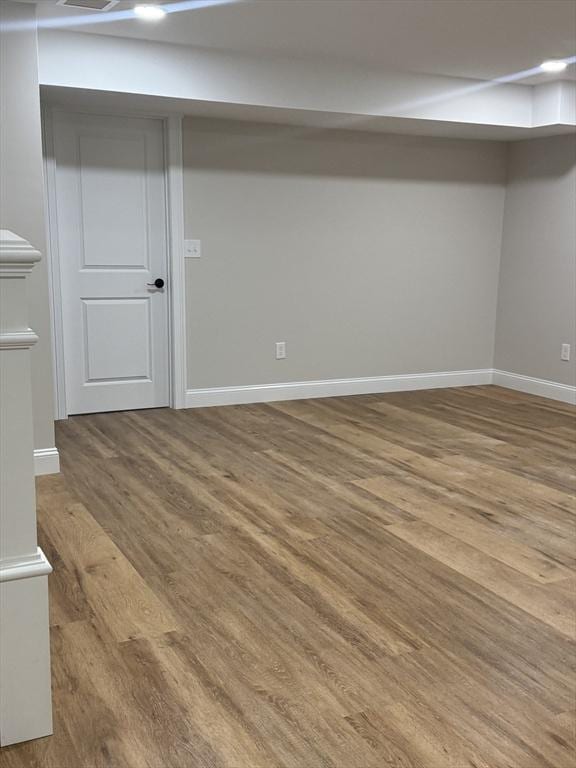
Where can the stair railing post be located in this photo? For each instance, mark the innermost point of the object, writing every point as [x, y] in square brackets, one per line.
[25, 691]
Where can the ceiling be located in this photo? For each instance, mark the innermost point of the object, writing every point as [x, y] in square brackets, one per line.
[482, 39]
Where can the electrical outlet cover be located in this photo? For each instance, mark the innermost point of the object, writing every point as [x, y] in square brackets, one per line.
[193, 249]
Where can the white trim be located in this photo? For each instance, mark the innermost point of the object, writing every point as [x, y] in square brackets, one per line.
[53, 263]
[15, 568]
[17, 256]
[18, 339]
[46, 461]
[551, 389]
[296, 390]
[172, 125]
[175, 225]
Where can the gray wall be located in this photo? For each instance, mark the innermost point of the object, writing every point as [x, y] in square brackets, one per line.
[22, 192]
[537, 293]
[368, 254]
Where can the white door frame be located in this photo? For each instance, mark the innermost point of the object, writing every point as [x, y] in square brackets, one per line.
[172, 126]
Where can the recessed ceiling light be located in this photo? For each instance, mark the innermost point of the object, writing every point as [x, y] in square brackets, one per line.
[149, 12]
[553, 65]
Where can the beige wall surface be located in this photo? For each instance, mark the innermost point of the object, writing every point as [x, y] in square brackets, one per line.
[368, 254]
[537, 293]
[22, 192]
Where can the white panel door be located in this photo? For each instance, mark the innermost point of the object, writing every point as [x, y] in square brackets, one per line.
[111, 201]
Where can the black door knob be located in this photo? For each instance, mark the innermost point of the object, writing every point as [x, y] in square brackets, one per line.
[158, 283]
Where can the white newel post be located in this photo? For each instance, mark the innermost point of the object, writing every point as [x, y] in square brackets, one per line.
[25, 696]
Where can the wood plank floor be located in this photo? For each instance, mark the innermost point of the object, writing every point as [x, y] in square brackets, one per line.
[362, 582]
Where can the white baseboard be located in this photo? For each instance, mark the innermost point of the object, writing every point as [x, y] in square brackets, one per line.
[25, 704]
[26, 567]
[46, 461]
[297, 390]
[541, 387]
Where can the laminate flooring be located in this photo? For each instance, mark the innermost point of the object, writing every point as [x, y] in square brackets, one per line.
[383, 581]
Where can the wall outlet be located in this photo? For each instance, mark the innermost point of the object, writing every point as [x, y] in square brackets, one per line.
[565, 352]
[192, 249]
[280, 350]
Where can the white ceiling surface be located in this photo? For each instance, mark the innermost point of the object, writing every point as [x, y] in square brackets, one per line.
[413, 66]
[482, 39]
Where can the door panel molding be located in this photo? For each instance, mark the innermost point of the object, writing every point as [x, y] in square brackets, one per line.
[174, 202]
[132, 359]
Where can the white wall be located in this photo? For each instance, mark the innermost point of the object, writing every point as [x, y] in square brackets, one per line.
[280, 88]
[537, 295]
[22, 192]
[105, 63]
[369, 255]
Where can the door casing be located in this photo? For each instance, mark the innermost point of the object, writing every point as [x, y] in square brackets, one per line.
[172, 130]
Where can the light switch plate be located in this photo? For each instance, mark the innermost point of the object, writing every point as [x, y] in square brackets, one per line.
[192, 249]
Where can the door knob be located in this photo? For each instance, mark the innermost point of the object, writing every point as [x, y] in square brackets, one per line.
[158, 283]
